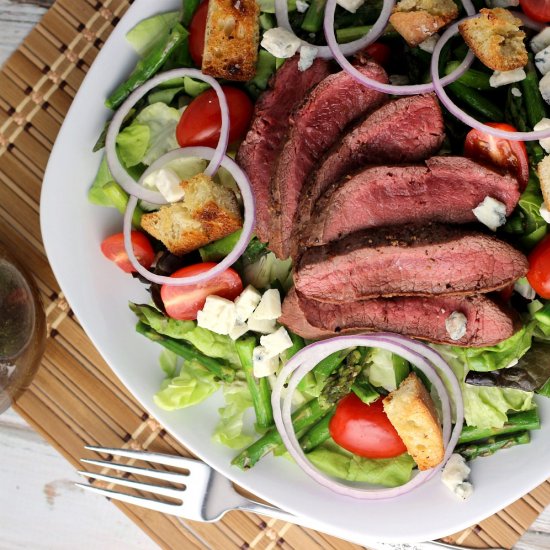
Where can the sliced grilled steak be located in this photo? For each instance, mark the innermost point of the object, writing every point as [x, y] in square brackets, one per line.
[406, 130]
[408, 260]
[333, 104]
[446, 189]
[258, 152]
[487, 323]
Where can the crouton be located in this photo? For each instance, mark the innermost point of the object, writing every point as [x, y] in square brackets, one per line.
[543, 171]
[496, 39]
[417, 20]
[231, 39]
[412, 412]
[207, 213]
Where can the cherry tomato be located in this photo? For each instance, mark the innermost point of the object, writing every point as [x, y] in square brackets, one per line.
[509, 155]
[183, 302]
[197, 30]
[539, 268]
[381, 53]
[539, 10]
[200, 123]
[365, 429]
[113, 249]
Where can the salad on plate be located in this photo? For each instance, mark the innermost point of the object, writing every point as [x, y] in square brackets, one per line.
[340, 211]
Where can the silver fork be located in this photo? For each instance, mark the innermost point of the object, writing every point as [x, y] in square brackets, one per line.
[206, 495]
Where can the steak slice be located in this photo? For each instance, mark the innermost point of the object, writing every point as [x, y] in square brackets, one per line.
[446, 189]
[405, 130]
[259, 150]
[487, 323]
[314, 127]
[408, 260]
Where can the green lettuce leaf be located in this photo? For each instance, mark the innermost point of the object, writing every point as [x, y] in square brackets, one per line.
[230, 428]
[496, 357]
[337, 462]
[132, 144]
[192, 385]
[386, 370]
[149, 31]
[207, 342]
[194, 87]
[168, 361]
[161, 120]
[96, 194]
[485, 407]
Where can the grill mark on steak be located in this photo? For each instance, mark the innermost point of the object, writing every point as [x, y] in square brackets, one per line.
[314, 127]
[405, 130]
[487, 322]
[408, 260]
[445, 190]
[258, 152]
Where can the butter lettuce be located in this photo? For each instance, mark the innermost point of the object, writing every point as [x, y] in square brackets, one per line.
[496, 357]
[230, 429]
[335, 461]
[132, 144]
[150, 135]
[192, 385]
[207, 342]
[486, 407]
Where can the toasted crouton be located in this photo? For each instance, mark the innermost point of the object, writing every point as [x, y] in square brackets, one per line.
[231, 39]
[207, 213]
[412, 412]
[496, 39]
[417, 20]
[543, 171]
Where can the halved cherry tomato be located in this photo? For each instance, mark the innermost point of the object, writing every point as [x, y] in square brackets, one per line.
[183, 302]
[113, 249]
[539, 268]
[200, 123]
[365, 429]
[508, 155]
[381, 53]
[197, 30]
[539, 10]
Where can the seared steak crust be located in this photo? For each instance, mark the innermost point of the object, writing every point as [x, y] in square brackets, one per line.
[487, 322]
[445, 189]
[314, 127]
[259, 151]
[405, 130]
[408, 260]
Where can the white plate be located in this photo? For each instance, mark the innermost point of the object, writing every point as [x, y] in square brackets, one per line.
[99, 293]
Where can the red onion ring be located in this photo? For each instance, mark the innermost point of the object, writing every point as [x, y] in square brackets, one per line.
[528, 22]
[418, 354]
[117, 170]
[248, 227]
[457, 111]
[281, 13]
[339, 56]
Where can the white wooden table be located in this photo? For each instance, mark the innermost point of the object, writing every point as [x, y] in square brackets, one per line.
[40, 508]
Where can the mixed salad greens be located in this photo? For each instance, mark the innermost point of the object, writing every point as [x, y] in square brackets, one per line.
[498, 383]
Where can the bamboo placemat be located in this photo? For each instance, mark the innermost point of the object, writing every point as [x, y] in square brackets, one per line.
[75, 398]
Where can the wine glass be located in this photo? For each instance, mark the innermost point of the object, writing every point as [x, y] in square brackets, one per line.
[22, 329]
